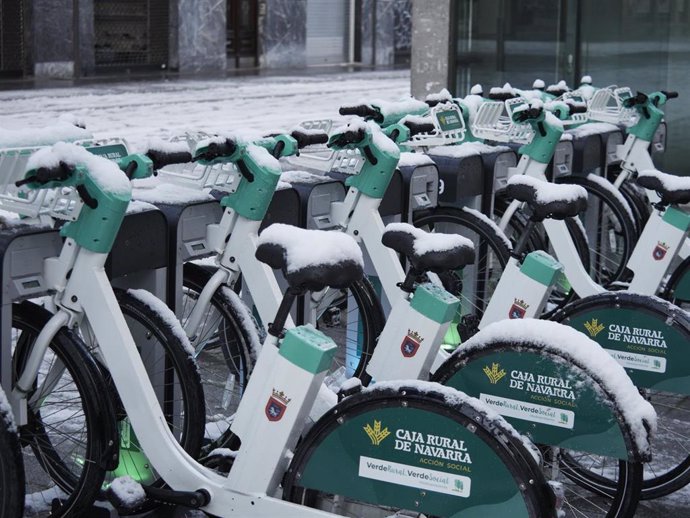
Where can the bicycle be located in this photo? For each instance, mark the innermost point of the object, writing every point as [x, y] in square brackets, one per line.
[270, 417]
[67, 378]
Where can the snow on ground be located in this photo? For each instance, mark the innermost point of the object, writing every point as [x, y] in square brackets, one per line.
[138, 111]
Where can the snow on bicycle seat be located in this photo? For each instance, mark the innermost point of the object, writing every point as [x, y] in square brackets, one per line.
[426, 251]
[311, 259]
[548, 200]
[671, 188]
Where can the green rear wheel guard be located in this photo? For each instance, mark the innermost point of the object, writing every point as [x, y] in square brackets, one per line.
[413, 450]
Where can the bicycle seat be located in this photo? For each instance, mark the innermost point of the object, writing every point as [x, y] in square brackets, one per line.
[311, 259]
[671, 188]
[429, 252]
[548, 200]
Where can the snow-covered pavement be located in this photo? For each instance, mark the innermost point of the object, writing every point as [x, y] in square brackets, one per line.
[141, 110]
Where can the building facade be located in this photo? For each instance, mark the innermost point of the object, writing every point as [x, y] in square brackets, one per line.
[644, 44]
[78, 38]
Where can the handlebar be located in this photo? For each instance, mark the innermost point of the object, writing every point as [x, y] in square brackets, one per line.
[419, 127]
[669, 95]
[577, 108]
[217, 150]
[527, 114]
[161, 159]
[349, 137]
[308, 138]
[361, 110]
[45, 175]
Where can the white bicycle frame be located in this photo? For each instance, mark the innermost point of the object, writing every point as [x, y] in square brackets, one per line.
[87, 295]
[648, 273]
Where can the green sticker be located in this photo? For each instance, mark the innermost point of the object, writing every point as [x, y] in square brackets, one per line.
[414, 459]
[554, 403]
[653, 353]
[111, 151]
[449, 120]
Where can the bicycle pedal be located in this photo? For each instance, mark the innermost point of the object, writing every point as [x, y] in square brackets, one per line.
[190, 499]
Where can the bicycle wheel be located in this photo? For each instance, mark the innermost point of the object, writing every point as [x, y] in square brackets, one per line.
[226, 348]
[173, 374]
[610, 225]
[475, 284]
[638, 202]
[398, 412]
[70, 436]
[11, 465]
[669, 469]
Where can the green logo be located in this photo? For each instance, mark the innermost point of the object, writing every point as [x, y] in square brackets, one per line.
[459, 485]
[657, 364]
[564, 418]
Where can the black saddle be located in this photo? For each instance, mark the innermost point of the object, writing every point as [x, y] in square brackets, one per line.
[429, 252]
[671, 188]
[311, 259]
[548, 200]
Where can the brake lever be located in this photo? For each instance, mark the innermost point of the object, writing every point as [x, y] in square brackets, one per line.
[88, 200]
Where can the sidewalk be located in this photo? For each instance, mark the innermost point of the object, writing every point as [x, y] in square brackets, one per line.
[144, 109]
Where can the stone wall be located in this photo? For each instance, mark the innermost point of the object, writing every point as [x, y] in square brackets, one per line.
[430, 46]
[202, 36]
[283, 33]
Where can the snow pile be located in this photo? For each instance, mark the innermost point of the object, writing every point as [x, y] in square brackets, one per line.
[456, 398]
[166, 146]
[414, 159]
[61, 131]
[546, 192]
[158, 307]
[466, 149]
[569, 343]
[477, 90]
[605, 184]
[305, 248]
[472, 102]
[669, 182]
[440, 97]
[504, 90]
[426, 242]
[586, 80]
[157, 190]
[382, 142]
[128, 492]
[558, 89]
[136, 206]
[592, 128]
[104, 172]
[290, 177]
[355, 124]
[389, 108]
[538, 84]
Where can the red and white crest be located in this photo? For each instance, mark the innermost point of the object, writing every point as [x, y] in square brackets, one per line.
[659, 251]
[410, 344]
[518, 309]
[276, 406]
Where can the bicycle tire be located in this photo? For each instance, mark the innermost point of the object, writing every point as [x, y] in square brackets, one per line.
[11, 465]
[492, 255]
[621, 498]
[433, 399]
[637, 199]
[178, 380]
[664, 474]
[614, 244]
[79, 490]
[237, 347]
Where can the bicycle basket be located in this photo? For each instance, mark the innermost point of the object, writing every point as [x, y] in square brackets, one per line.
[606, 105]
[493, 122]
[449, 128]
